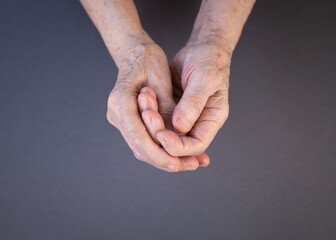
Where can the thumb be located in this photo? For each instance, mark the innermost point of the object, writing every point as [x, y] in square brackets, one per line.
[190, 106]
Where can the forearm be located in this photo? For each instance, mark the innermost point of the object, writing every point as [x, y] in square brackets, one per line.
[221, 19]
[118, 23]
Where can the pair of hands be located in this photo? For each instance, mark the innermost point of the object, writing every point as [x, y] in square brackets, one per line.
[169, 116]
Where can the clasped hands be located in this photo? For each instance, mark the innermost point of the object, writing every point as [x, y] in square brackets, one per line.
[169, 115]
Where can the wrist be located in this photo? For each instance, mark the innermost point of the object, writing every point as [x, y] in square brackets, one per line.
[210, 34]
[127, 44]
[221, 21]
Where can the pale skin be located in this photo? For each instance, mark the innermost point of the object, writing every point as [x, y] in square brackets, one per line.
[169, 115]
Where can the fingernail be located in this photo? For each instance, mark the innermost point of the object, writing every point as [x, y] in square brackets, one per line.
[147, 119]
[184, 123]
[172, 168]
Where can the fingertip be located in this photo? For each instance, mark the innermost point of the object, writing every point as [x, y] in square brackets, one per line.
[174, 164]
[171, 142]
[166, 136]
[147, 101]
[162, 160]
[184, 123]
[173, 168]
[203, 160]
[148, 90]
[143, 102]
[181, 124]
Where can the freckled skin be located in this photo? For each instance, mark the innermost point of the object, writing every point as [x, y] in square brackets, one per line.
[168, 115]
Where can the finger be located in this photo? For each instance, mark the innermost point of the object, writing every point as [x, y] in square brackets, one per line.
[200, 137]
[178, 146]
[149, 112]
[138, 139]
[147, 99]
[189, 163]
[183, 145]
[148, 90]
[153, 123]
[189, 107]
[203, 160]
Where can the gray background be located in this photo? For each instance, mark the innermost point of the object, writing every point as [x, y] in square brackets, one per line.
[65, 173]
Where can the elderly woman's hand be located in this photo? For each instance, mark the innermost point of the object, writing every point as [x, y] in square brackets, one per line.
[200, 73]
[143, 63]
[191, 99]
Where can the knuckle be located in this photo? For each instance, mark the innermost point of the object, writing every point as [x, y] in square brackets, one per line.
[220, 80]
[112, 109]
[133, 140]
[225, 83]
[221, 122]
[201, 145]
[112, 101]
[138, 156]
[223, 115]
[110, 119]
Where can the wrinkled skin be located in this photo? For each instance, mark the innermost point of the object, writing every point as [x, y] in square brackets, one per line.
[146, 65]
[169, 117]
[200, 76]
